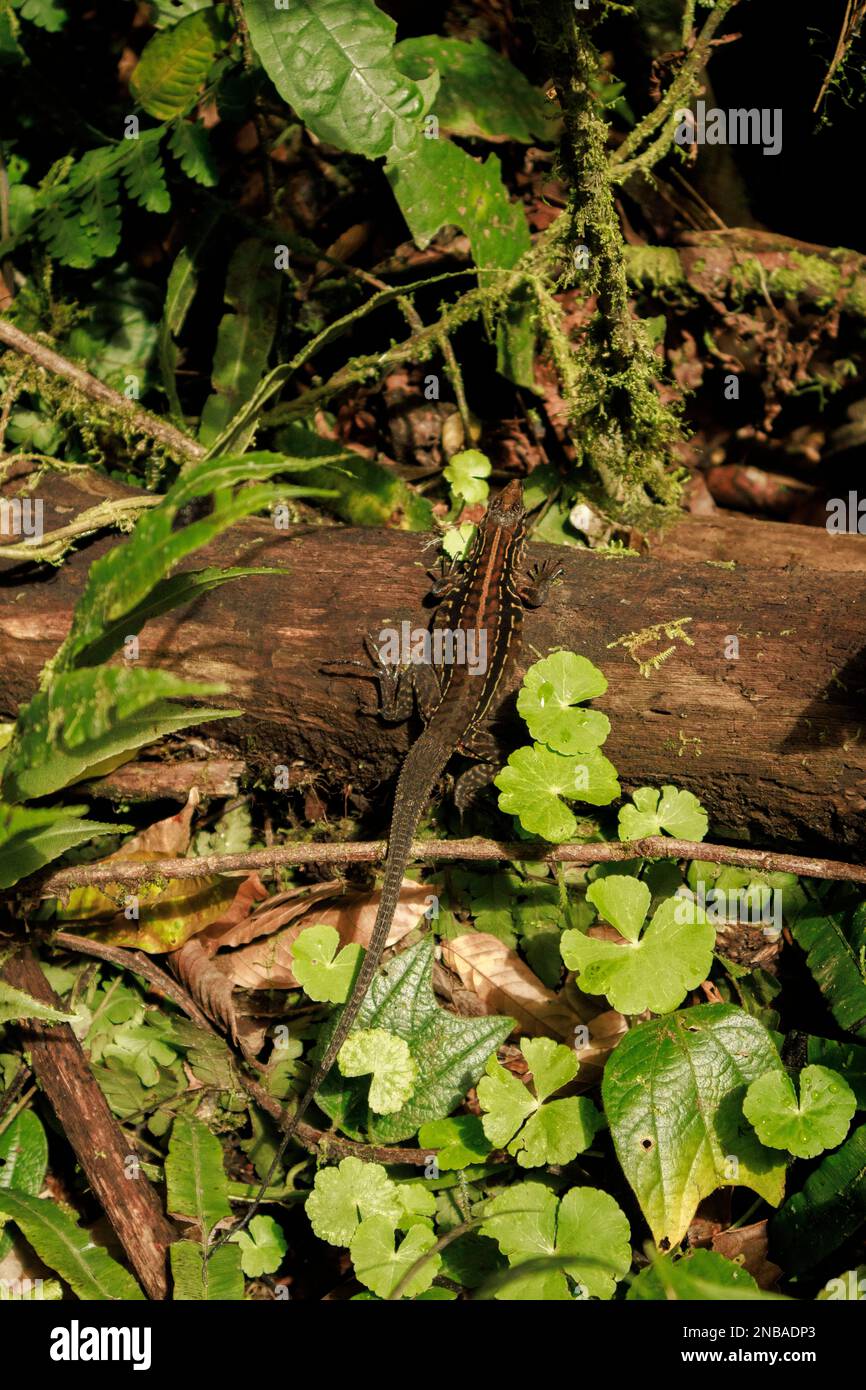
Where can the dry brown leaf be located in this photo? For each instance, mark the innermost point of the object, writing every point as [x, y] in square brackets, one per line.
[234, 931]
[268, 964]
[210, 989]
[506, 985]
[747, 1246]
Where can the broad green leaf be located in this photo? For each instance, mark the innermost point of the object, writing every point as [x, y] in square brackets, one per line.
[671, 811]
[89, 719]
[550, 691]
[449, 1052]
[536, 1132]
[381, 1267]
[363, 492]
[195, 1177]
[467, 474]
[621, 900]
[173, 66]
[190, 145]
[830, 1208]
[23, 1162]
[535, 779]
[344, 1196]
[31, 838]
[460, 1141]
[819, 1121]
[262, 1246]
[418, 1204]
[245, 334]
[673, 1093]
[143, 172]
[838, 973]
[699, 1276]
[656, 971]
[323, 971]
[333, 62]
[480, 93]
[387, 1057]
[219, 1280]
[68, 1250]
[585, 1237]
[16, 1006]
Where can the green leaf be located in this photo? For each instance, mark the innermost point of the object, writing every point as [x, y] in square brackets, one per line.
[174, 64]
[17, 1006]
[480, 94]
[87, 719]
[832, 960]
[460, 1141]
[31, 838]
[381, 1267]
[700, 1276]
[550, 690]
[245, 335]
[23, 1162]
[262, 1247]
[333, 62]
[820, 1121]
[387, 1057]
[466, 474]
[120, 581]
[179, 295]
[68, 1250]
[195, 1177]
[535, 779]
[584, 1237]
[143, 172]
[217, 1280]
[678, 813]
[47, 14]
[449, 1052]
[673, 1090]
[190, 145]
[438, 184]
[364, 492]
[344, 1196]
[555, 1132]
[656, 971]
[830, 1208]
[319, 970]
[847, 1058]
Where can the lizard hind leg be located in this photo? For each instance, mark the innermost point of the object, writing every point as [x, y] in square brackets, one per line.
[469, 785]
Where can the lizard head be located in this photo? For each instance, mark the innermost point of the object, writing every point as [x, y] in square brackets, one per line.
[506, 508]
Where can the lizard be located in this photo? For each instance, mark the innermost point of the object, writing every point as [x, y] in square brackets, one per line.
[486, 594]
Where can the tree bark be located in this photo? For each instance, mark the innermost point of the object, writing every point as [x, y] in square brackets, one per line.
[125, 1194]
[762, 717]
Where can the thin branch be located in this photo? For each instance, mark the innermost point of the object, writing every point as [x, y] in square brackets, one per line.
[95, 390]
[50, 548]
[58, 884]
[139, 964]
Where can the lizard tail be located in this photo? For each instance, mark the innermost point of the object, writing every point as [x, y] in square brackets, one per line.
[420, 772]
[417, 779]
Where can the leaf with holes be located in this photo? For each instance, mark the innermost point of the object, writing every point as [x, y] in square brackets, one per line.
[673, 1093]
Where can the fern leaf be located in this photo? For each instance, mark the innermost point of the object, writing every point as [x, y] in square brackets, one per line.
[191, 147]
[143, 172]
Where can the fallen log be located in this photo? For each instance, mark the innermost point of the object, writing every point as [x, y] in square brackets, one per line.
[749, 693]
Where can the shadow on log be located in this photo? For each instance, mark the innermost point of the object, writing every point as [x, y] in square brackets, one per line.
[758, 707]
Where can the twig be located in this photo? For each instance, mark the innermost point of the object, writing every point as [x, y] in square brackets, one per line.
[51, 547]
[141, 420]
[139, 964]
[855, 12]
[59, 883]
[316, 1140]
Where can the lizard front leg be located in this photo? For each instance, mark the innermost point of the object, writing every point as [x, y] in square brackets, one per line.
[532, 585]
